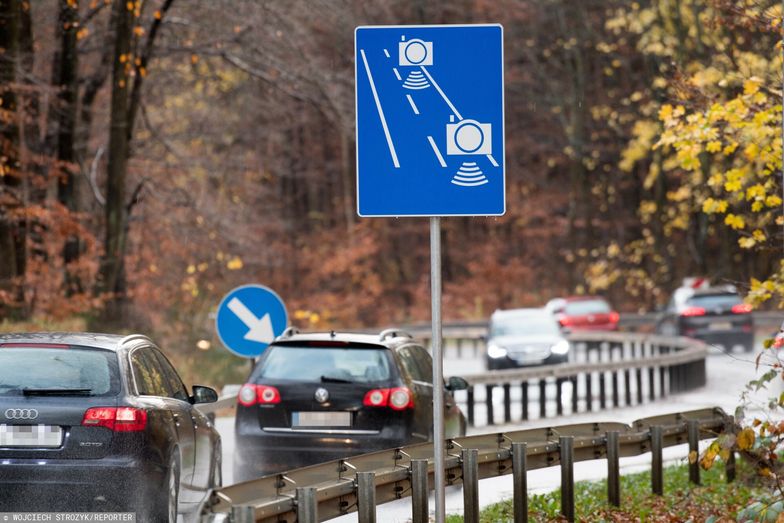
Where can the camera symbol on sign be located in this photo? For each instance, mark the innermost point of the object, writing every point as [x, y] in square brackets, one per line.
[468, 137]
[414, 52]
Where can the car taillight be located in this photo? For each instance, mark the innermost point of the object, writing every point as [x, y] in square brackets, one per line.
[565, 320]
[397, 399]
[267, 395]
[778, 341]
[693, 311]
[251, 394]
[614, 317]
[401, 399]
[376, 398]
[118, 419]
[741, 308]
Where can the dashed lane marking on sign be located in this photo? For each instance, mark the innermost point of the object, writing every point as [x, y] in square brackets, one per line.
[413, 105]
[435, 150]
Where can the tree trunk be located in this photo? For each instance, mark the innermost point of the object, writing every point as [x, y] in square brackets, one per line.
[12, 237]
[66, 82]
[112, 266]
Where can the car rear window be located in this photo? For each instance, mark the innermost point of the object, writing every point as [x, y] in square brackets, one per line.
[711, 301]
[360, 365]
[582, 307]
[35, 367]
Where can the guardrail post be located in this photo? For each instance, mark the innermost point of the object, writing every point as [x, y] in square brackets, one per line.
[243, 514]
[524, 387]
[729, 467]
[589, 392]
[470, 405]
[420, 513]
[366, 497]
[616, 403]
[573, 381]
[657, 470]
[489, 403]
[470, 485]
[662, 371]
[507, 403]
[307, 505]
[694, 446]
[558, 396]
[613, 468]
[602, 391]
[566, 445]
[627, 387]
[520, 480]
[542, 398]
[638, 376]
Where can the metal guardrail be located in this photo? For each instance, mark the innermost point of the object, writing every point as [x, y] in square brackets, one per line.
[360, 483]
[618, 368]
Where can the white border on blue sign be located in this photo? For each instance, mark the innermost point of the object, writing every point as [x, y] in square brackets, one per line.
[356, 117]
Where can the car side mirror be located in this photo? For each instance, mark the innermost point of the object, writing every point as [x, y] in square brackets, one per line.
[203, 394]
[456, 383]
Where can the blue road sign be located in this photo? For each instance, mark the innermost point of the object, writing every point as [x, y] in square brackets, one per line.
[249, 318]
[430, 120]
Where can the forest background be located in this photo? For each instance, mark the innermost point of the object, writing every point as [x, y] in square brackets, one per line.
[156, 153]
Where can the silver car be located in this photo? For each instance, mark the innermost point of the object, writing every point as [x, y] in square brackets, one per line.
[519, 337]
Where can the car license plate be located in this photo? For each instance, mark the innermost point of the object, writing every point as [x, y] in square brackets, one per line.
[720, 326]
[321, 419]
[38, 436]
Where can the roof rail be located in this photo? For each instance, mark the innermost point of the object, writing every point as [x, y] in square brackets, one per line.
[394, 333]
[288, 333]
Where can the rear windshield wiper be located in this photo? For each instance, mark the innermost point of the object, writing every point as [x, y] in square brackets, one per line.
[330, 379]
[56, 392]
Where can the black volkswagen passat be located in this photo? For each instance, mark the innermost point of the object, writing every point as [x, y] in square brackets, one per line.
[317, 397]
[92, 422]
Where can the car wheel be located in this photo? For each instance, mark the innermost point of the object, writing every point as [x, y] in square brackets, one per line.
[165, 506]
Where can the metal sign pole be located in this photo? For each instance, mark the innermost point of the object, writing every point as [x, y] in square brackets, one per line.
[438, 372]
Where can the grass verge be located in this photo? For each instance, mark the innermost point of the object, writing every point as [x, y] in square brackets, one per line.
[715, 500]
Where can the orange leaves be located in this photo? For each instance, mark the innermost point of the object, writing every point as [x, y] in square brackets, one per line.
[746, 439]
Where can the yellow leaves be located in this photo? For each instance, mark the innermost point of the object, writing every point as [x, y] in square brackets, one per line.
[735, 179]
[729, 149]
[735, 221]
[191, 269]
[82, 33]
[709, 456]
[138, 30]
[234, 264]
[751, 151]
[746, 242]
[773, 201]
[711, 206]
[756, 191]
[746, 439]
[665, 113]
[693, 457]
[751, 86]
[713, 146]
[759, 236]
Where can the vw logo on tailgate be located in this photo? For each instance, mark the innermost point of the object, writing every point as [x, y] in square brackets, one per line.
[321, 395]
[21, 414]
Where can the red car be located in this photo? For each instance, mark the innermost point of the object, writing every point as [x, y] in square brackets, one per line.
[584, 313]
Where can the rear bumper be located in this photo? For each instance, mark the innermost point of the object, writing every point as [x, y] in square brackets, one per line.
[260, 455]
[107, 484]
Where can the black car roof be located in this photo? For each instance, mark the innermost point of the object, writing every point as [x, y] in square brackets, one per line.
[391, 340]
[87, 339]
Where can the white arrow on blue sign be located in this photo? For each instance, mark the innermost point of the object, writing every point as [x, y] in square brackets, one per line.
[430, 120]
[249, 318]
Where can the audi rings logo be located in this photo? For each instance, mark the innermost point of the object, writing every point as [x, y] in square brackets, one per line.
[21, 413]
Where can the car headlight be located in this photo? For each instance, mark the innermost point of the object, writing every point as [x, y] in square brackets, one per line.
[495, 351]
[562, 347]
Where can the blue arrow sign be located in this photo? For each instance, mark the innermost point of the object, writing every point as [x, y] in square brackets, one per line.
[249, 318]
[430, 120]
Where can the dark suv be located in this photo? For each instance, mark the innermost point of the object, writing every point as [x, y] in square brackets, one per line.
[94, 422]
[716, 315]
[316, 397]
